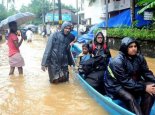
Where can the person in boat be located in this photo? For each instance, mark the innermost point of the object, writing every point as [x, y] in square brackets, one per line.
[99, 47]
[96, 66]
[83, 56]
[129, 78]
[57, 55]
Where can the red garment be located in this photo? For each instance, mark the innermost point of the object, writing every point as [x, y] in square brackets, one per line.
[12, 48]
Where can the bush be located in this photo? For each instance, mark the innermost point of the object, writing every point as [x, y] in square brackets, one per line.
[141, 34]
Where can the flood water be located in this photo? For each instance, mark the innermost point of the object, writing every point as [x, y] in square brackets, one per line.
[32, 94]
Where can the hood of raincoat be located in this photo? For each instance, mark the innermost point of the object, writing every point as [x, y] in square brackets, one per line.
[95, 39]
[64, 25]
[125, 44]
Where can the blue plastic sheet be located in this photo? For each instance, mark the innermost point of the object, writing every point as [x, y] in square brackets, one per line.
[121, 20]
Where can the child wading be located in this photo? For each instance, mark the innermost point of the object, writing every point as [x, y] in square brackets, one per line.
[15, 58]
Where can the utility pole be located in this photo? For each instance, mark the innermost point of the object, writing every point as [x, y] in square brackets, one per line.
[106, 22]
[77, 5]
[107, 16]
[60, 15]
[53, 11]
[132, 10]
[43, 11]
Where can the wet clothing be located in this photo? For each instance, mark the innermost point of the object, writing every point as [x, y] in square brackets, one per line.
[96, 66]
[128, 74]
[102, 51]
[12, 48]
[57, 55]
[16, 60]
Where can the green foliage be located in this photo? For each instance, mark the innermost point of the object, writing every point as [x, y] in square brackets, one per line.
[142, 2]
[142, 34]
[97, 30]
[91, 2]
[147, 4]
[40, 8]
[3, 13]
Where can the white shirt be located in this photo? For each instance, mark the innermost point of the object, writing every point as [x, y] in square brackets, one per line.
[29, 34]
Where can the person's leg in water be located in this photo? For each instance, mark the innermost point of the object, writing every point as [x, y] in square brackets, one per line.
[66, 74]
[11, 70]
[146, 104]
[20, 70]
[55, 81]
[129, 101]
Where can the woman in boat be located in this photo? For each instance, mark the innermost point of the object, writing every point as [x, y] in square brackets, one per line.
[99, 47]
[96, 65]
[129, 78]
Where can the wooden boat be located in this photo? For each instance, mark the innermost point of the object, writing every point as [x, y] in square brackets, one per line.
[113, 107]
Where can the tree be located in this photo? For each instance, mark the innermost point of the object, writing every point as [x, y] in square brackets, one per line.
[9, 1]
[147, 5]
[132, 10]
[91, 2]
[3, 13]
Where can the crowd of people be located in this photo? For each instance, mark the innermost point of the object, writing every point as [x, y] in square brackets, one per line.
[125, 77]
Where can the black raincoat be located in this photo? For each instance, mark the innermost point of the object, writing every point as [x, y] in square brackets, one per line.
[129, 73]
[57, 55]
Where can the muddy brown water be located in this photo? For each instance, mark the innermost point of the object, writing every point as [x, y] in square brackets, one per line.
[32, 94]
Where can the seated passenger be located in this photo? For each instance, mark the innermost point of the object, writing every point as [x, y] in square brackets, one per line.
[83, 56]
[129, 78]
[95, 67]
[99, 47]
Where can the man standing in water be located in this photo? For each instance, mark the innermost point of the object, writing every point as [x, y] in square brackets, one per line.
[57, 55]
[15, 58]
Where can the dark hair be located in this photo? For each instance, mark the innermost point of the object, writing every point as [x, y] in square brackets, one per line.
[13, 27]
[12, 24]
[95, 39]
[86, 45]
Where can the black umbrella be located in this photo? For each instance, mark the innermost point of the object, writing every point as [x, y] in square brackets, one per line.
[20, 18]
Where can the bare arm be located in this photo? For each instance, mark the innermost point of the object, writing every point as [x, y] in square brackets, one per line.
[17, 44]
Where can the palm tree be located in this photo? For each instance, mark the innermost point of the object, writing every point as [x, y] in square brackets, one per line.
[91, 2]
[132, 10]
[147, 4]
[9, 1]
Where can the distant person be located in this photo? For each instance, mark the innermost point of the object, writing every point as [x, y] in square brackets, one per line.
[44, 32]
[29, 35]
[19, 35]
[6, 34]
[0, 36]
[48, 31]
[57, 55]
[74, 34]
[129, 78]
[15, 58]
[58, 28]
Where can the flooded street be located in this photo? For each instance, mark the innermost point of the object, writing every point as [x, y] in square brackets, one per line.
[32, 94]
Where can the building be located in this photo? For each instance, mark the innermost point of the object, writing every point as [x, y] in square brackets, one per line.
[67, 15]
[96, 13]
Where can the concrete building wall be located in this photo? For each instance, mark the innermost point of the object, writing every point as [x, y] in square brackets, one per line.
[96, 12]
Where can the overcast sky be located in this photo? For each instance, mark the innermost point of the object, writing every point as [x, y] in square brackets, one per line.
[19, 3]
